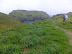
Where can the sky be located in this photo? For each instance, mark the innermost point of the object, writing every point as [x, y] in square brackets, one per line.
[51, 7]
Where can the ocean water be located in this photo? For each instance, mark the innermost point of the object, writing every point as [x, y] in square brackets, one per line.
[28, 21]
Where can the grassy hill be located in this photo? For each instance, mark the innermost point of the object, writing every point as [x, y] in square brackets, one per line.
[6, 19]
[24, 15]
[59, 19]
[40, 37]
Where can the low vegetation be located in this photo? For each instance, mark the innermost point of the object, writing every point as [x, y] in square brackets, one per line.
[6, 19]
[40, 37]
[59, 21]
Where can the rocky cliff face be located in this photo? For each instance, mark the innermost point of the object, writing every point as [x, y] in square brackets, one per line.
[24, 15]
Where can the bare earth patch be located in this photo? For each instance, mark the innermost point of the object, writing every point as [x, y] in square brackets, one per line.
[25, 50]
[69, 33]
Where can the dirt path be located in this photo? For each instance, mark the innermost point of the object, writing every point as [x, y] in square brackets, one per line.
[69, 33]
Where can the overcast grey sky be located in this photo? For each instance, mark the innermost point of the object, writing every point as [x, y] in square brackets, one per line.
[51, 7]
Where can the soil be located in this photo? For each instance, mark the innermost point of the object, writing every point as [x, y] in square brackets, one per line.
[69, 33]
[25, 50]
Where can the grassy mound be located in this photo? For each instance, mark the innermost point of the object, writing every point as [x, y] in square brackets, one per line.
[41, 37]
[6, 19]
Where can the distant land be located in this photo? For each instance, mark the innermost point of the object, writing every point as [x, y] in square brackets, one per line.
[70, 13]
[25, 15]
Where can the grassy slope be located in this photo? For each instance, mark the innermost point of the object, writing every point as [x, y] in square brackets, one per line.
[29, 15]
[6, 19]
[41, 37]
[67, 25]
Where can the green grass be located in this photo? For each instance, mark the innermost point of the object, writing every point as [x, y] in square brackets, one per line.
[6, 19]
[59, 21]
[29, 15]
[40, 37]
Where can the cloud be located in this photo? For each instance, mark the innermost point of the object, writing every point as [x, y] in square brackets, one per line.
[49, 6]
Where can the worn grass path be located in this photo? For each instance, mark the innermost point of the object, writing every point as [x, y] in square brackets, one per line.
[69, 33]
